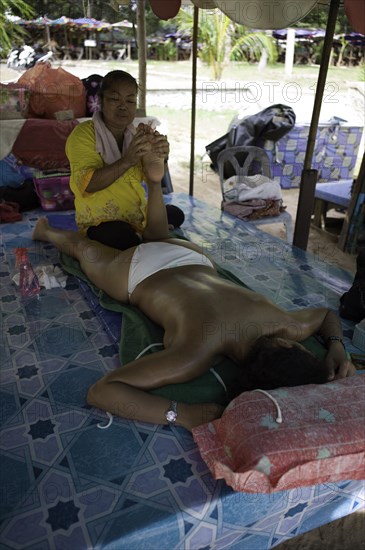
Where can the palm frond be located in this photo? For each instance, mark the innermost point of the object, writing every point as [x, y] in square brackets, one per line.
[10, 31]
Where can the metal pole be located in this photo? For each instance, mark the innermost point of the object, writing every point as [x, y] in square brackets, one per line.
[142, 55]
[307, 184]
[194, 54]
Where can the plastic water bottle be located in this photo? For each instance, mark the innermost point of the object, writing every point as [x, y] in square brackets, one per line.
[28, 280]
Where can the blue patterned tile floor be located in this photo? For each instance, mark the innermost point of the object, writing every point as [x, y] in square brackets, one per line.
[66, 484]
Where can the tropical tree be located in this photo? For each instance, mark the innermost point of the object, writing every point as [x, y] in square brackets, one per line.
[10, 33]
[318, 16]
[222, 40]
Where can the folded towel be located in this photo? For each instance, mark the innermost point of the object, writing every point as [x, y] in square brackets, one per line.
[243, 188]
[106, 144]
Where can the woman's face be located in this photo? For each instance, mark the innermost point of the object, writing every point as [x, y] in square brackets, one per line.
[119, 105]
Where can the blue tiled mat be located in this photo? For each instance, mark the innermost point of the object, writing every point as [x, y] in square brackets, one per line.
[65, 483]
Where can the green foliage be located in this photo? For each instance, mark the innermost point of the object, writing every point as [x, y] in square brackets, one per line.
[11, 33]
[220, 40]
[214, 36]
[317, 19]
[99, 9]
[170, 50]
[249, 45]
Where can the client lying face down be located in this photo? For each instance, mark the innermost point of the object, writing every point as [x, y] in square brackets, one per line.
[178, 288]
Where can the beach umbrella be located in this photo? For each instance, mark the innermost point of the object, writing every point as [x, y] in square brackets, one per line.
[281, 34]
[39, 22]
[126, 24]
[91, 24]
[61, 21]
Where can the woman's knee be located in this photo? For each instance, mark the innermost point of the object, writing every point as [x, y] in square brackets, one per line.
[116, 234]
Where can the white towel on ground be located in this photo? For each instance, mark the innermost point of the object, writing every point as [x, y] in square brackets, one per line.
[49, 276]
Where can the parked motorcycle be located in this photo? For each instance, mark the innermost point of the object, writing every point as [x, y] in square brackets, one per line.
[26, 57]
[22, 58]
[12, 60]
[45, 58]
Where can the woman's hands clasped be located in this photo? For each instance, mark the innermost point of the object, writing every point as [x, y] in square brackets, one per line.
[138, 147]
[154, 159]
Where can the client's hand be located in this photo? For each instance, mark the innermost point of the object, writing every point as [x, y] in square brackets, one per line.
[338, 366]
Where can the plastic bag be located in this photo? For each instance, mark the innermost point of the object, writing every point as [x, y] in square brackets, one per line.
[53, 91]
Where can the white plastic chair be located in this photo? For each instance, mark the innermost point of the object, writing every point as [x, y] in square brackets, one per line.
[241, 158]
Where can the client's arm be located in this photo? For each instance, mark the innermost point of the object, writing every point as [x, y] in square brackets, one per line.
[123, 392]
[154, 167]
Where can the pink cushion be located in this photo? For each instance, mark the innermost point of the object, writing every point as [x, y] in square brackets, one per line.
[41, 143]
[321, 437]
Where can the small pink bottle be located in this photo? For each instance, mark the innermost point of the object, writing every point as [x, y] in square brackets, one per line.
[28, 280]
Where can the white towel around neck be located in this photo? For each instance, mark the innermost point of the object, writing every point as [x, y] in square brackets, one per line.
[106, 144]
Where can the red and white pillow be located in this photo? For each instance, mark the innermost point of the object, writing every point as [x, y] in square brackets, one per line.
[321, 437]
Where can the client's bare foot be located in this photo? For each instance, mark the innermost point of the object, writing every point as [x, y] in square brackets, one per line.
[40, 230]
[154, 167]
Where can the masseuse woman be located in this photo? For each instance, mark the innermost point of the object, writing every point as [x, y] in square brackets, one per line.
[107, 170]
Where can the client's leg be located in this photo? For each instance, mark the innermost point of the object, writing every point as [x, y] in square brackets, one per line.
[106, 267]
[65, 241]
[72, 243]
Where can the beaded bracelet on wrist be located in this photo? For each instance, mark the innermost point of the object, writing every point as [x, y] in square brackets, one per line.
[336, 339]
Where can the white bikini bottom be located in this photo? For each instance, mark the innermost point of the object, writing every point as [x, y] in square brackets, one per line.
[149, 258]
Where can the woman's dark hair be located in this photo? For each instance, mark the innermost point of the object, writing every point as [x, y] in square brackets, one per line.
[115, 76]
[269, 366]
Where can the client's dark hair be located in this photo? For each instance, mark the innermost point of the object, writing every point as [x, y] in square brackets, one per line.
[116, 76]
[269, 366]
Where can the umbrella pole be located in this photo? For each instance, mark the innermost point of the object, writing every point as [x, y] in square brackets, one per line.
[142, 55]
[48, 36]
[309, 179]
[194, 54]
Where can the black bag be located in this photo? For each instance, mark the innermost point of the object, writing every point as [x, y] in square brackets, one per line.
[270, 124]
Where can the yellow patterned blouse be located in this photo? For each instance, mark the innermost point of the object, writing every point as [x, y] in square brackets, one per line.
[125, 199]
